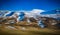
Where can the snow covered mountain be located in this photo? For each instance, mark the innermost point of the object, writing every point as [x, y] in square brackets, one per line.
[33, 13]
[52, 14]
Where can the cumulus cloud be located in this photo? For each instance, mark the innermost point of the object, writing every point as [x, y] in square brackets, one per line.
[33, 12]
[37, 11]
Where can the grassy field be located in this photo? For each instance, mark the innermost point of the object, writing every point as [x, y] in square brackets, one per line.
[27, 30]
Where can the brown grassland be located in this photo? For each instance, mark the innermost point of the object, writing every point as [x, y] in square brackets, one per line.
[27, 30]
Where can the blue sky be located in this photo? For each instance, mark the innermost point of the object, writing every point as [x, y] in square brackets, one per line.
[29, 4]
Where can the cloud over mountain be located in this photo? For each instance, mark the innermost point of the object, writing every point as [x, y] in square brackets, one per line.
[34, 12]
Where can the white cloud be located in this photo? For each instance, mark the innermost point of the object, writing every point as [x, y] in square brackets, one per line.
[33, 12]
[37, 11]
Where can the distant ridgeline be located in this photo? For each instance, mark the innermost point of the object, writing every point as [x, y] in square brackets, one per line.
[50, 14]
[12, 14]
